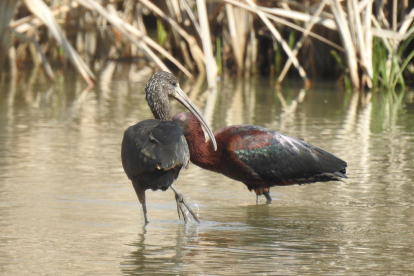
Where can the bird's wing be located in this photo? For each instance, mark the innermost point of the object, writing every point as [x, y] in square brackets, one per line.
[280, 158]
[154, 145]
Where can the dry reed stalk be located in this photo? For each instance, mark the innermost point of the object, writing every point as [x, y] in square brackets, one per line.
[140, 19]
[406, 23]
[210, 61]
[295, 15]
[243, 29]
[31, 21]
[347, 40]
[138, 23]
[7, 9]
[238, 22]
[111, 16]
[392, 40]
[195, 24]
[175, 10]
[174, 6]
[134, 35]
[381, 34]
[196, 51]
[38, 51]
[267, 14]
[234, 36]
[394, 15]
[282, 42]
[26, 23]
[191, 15]
[39, 8]
[299, 43]
[382, 17]
[366, 21]
[360, 37]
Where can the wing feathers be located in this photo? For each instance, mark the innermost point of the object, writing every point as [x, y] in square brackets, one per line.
[274, 156]
[153, 145]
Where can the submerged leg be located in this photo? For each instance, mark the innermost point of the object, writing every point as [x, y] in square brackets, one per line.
[141, 198]
[180, 202]
[265, 192]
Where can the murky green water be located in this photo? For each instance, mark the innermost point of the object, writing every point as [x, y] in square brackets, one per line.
[67, 208]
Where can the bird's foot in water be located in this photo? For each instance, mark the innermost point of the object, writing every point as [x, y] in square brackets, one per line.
[181, 203]
[265, 192]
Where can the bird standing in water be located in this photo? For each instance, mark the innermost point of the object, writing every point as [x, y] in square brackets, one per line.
[259, 157]
[154, 151]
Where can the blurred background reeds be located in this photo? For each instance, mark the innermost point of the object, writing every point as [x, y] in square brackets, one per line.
[361, 44]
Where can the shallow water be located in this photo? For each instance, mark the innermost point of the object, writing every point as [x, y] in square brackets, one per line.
[67, 208]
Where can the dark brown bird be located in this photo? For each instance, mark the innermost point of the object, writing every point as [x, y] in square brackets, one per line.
[154, 151]
[259, 157]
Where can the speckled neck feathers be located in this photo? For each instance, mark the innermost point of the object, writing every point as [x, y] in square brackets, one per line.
[156, 94]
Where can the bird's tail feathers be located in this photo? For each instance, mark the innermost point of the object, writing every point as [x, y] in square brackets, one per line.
[340, 175]
[322, 177]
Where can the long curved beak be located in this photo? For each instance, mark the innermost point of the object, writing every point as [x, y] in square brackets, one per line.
[184, 100]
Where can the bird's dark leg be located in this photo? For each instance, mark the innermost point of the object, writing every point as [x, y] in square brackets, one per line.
[144, 209]
[141, 197]
[258, 192]
[181, 201]
[265, 192]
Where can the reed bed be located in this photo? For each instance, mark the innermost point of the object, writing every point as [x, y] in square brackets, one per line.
[367, 44]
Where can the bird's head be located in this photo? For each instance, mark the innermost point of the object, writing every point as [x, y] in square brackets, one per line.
[159, 87]
[163, 85]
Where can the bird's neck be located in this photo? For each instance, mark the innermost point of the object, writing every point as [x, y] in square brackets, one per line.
[201, 151]
[158, 103]
[163, 114]
[161, 110]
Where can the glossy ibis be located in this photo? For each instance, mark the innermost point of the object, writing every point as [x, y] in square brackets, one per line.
[154, 151]
[259, 157]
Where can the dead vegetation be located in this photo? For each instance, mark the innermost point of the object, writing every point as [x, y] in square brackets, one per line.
[366, 43]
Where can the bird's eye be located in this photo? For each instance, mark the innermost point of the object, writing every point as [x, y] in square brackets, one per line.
[175, 83]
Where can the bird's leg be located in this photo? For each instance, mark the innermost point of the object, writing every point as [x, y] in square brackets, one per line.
[181, 201]
[141, 197]
[144, 209]
[258, 192]
[266, 193]
[180, 210]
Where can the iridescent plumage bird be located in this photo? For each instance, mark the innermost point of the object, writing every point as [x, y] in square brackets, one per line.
[259, 157]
